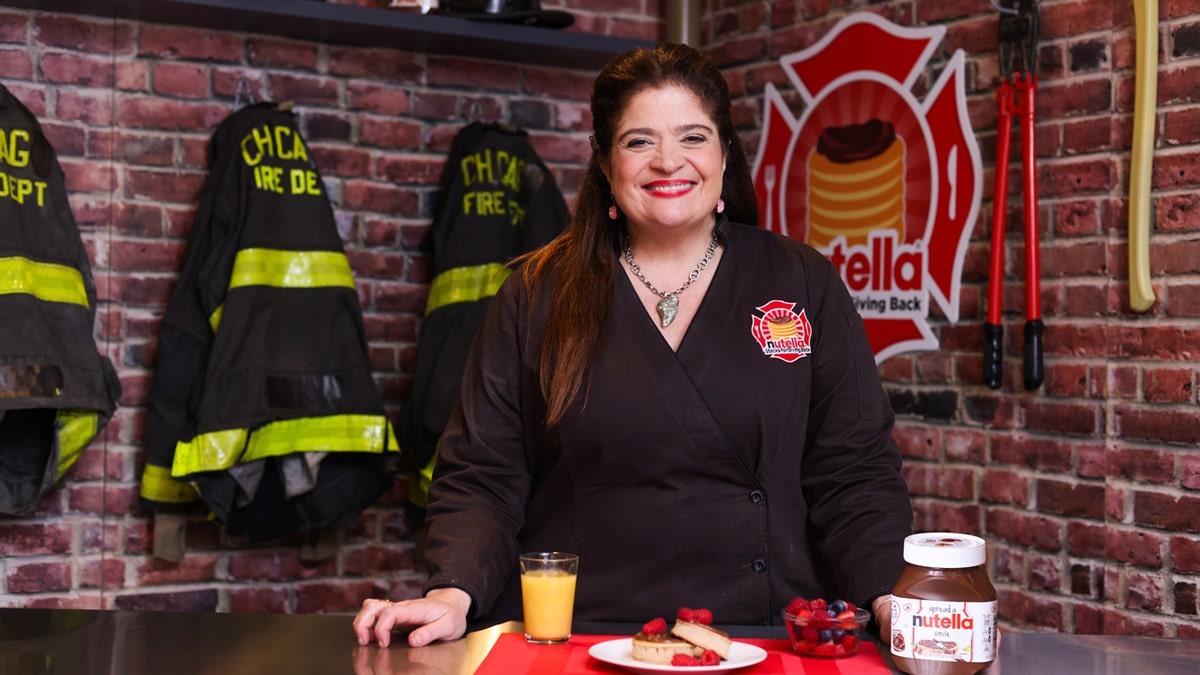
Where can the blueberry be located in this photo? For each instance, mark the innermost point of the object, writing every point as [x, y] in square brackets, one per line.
[825, 635]
[838, 634]
[838, 607]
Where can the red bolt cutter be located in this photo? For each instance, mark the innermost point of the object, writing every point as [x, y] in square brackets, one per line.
[1015, 97]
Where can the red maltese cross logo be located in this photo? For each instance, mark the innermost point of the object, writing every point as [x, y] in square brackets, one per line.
[885, 184]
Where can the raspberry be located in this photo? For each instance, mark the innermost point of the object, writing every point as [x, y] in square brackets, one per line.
[819, 603]
[798, 603]
[656, 626]
[820, 620]
[849, 642]
[850, 606]
[808, 634]
[685, 660]
[703, 616]
[686, 614]
[710, 658]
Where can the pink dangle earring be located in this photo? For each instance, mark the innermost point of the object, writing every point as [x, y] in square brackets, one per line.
[720, 206]
[612, 210]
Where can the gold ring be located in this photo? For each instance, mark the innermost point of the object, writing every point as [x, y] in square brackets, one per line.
[389, 602]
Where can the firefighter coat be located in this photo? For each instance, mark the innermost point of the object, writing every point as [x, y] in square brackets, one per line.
[496, 201]
[262, 403]
[56, 390]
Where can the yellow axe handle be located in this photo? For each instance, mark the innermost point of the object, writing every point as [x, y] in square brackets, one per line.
[1145, 18]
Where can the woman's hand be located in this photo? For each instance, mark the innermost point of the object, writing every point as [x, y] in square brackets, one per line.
[882, 609]
[440, 615]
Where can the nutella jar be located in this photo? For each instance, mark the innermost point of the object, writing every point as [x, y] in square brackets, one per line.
[943, 606]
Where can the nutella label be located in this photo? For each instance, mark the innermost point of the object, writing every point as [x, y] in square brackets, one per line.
[943, 631]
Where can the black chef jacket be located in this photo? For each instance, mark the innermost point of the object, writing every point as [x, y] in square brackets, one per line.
[733, 474]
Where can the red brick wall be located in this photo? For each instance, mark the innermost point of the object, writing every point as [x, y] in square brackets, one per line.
[1087, 490]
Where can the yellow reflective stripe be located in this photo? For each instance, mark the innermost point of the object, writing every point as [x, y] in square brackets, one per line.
[159, 486]
[290, 269]
[220, 450]
[213, 451]
[465, 284]
[215, 320]
[44, 281]
[286, 269]
[418, 487]
[75, 429]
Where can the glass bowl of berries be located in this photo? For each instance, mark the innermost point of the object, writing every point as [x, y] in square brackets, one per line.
[825, 629]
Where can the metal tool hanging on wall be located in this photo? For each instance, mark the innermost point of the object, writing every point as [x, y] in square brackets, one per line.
[1018, 36]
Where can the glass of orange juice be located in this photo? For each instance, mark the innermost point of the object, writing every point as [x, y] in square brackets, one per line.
[548, 595]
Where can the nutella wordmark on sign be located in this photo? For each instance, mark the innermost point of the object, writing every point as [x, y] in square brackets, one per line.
[885, 185]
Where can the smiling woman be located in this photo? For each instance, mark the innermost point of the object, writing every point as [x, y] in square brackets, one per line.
[623, 396]
[666, 174]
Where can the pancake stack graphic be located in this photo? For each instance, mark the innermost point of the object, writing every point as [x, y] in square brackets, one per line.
[855, 183]
[782, 328]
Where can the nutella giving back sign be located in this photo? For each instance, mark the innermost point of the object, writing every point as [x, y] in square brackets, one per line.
[885, 185]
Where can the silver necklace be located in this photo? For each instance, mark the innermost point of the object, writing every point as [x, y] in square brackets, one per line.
[668, 307]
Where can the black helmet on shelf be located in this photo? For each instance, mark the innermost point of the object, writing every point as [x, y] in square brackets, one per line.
[528, 12]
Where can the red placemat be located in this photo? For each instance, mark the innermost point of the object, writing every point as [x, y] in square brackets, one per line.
[511, 654]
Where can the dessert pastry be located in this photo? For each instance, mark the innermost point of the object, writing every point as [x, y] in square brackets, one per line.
[691, 642]
[660, 648]
[653, 644]
[703, 636]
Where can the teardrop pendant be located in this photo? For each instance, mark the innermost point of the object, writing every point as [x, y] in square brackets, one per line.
[668, 307]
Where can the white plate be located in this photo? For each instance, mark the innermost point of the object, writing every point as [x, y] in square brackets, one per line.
[620, 653]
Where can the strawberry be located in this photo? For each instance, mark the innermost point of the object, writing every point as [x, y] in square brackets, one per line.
[849, 643]
[686, 614]
[703, 616]
[656, 626]
[710, 658]
[826, 649]
[847, 620]
[684, 660]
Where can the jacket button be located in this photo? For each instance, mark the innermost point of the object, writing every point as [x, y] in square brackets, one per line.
[759, 565]
[757, 497]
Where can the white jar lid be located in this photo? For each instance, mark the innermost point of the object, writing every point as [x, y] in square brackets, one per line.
[944, 549]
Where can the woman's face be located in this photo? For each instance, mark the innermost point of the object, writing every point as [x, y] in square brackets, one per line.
[667, 160]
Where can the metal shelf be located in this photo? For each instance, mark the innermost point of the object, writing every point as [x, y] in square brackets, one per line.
[362, 26]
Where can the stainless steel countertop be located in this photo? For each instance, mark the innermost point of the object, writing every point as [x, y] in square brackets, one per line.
[101, 642]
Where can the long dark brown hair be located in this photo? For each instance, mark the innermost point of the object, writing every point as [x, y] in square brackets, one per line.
[579, 267]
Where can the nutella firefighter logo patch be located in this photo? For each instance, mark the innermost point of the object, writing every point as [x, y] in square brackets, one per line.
[782, 333]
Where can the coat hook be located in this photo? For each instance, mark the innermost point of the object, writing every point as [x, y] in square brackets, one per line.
[242, 90]
[1000, 8]
[475, 112]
